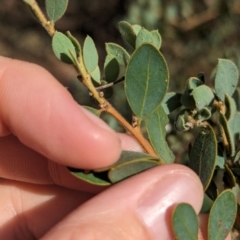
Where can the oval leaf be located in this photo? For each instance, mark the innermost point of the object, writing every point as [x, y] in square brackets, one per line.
[62, 46]
[236, 97]
[127, 33]
[226, 78]
[181, 122]
[221, 155]
[111, 68]
[118, 52]
[144, 36]
[90, 55]
[231, 107]
[203, 155]
[128, 156]
[193, 82]
[234, 126]
[96, 75]
[171, 102]
[136, 28]
[75, 43]
[237, 220]
[222, 216]
[95, 178]
[156, 37]
[185, 222]
[129, 169]
[198, 93]
[56, 8]
[229, 179]
[155, 124]
[146, 80]
[227, 135]
[204, 114]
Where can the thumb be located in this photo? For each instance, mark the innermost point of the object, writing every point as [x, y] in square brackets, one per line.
[137, 208]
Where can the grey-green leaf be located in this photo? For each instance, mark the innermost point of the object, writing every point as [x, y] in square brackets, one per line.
[231, 107]
[127, 33]
[202, 96]
[56, 8]
[237, 220]
[62, 46]
[136, 28]
[111, 68]
[193, 82]
[229, 178]
[185, 222]
[156, 39]
[222, 216]
[221, 155]
[128, 169]
[90, 55]
[129, 156]
[203, 155]
[237, 159]
[96, 75]
[204, 114]
[227, 134]
[234, 126]
[146, 80]
[95, 178]
[171, 102]
[119, 53]
[155, 123]
[226, 78]
[236, 97]
[144, 36]
[181, 122]
[75, 42]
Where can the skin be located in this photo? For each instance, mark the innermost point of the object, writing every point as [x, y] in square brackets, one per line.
[42, 129]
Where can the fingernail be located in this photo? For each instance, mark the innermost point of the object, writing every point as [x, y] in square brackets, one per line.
[171, 189]
[96, 120]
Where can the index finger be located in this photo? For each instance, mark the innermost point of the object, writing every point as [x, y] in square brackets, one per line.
[43, 115]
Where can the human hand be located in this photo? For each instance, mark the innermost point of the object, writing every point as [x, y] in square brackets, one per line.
[39, 121]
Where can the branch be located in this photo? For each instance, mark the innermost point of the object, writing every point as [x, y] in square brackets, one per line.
[48, 25]
[86, 80]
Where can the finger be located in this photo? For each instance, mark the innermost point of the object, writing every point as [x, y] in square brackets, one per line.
[18, 162]
[28, 210]
[137, 208]
[43, 115]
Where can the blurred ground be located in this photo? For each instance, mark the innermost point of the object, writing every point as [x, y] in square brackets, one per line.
[195, 34]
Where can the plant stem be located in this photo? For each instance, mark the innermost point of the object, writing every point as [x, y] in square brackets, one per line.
[134, 131]
[107, 107]
[87, 82]
[49, 26]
